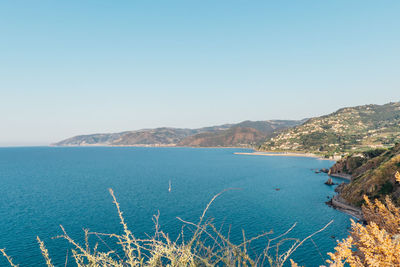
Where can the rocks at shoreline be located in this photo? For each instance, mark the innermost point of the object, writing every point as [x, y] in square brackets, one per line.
[329, 181]
[339, 203]
[324, 170]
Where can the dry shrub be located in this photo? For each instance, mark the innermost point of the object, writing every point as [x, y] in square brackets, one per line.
[377, 243]
[207, 246]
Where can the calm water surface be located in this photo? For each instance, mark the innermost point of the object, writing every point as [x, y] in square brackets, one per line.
[44, 187]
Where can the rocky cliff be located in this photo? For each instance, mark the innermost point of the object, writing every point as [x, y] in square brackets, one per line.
[372, 173]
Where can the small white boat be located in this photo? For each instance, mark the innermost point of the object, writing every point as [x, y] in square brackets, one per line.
[169, 188]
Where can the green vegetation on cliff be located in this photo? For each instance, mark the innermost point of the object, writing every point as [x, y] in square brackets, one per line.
[373, 174]
[348, 129]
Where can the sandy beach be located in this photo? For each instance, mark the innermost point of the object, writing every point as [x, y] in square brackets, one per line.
[284, 154]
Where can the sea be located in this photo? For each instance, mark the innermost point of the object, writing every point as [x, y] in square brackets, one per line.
[45, 187]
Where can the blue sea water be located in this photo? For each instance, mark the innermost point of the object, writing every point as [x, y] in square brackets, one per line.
[44, 187]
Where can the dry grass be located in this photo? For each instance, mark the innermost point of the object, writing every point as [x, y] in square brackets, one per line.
[206, 246]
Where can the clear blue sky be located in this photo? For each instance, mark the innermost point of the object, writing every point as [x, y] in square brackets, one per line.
[79, 67]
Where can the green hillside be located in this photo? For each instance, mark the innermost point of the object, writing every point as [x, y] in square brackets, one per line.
[348, 129]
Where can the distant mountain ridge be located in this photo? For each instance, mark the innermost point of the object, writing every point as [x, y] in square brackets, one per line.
[235, 136]
[351, 128]
[245, 134]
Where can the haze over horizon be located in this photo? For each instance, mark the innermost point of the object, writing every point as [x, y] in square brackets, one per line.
[73, 67]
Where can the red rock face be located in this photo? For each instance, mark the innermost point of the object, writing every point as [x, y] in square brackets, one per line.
[237, 136]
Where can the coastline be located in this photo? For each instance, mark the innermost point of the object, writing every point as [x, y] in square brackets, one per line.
[284, 154]
[343, 176]
[152, 145]
[336, 202]
[340, 204]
